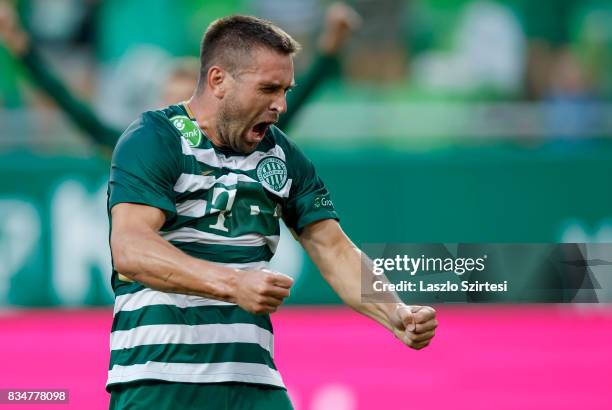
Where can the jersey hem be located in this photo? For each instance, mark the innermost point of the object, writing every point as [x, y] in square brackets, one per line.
[197, 378]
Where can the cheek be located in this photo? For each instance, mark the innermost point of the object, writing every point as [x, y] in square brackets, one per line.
[255, 100]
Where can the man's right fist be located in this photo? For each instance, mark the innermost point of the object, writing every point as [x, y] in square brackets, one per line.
[261, 291]
[415, 326]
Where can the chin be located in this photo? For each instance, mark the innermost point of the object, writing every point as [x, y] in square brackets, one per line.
[248, 149]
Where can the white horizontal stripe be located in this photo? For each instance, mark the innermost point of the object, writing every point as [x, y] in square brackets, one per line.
[247, 266]
[147, 297]
[197, 373]
[196, 334]
[195, 208]
[194, 235]
[191, 182]
[211, 158]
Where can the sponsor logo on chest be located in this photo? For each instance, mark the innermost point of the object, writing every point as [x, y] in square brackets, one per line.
[188, 129]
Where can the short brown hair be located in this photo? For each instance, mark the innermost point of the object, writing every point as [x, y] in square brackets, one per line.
[229, 39]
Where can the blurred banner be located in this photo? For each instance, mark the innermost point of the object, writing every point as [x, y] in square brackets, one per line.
[502, 357]
[54, 229]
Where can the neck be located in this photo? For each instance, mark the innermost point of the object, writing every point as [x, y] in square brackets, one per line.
[205, 112]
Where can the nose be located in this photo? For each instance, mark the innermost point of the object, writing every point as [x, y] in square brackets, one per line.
[279, 104]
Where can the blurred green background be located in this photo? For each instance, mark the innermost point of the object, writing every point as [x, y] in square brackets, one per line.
[444, 121]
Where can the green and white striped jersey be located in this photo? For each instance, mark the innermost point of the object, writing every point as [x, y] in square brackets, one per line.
[220, 206]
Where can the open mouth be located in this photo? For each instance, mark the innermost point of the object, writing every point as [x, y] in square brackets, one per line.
[260, 129]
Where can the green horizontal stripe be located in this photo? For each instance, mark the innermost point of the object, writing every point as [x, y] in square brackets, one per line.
[225, 253]
[218, 173]
[193, 353]
[123, 288]
[197, 315]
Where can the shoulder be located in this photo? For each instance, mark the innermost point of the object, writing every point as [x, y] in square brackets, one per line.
[150, 129]
[150, 136]
[290, 149]
[298, 166]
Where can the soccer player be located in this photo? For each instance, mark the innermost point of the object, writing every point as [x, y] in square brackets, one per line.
[196, 193]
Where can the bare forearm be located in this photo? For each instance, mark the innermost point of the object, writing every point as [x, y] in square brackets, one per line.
[342, 266]
[346, 278]
[147, 258]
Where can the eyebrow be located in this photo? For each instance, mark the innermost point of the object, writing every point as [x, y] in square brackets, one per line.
[275, 85]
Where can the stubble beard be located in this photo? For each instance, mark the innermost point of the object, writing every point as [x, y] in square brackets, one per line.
[230, 127]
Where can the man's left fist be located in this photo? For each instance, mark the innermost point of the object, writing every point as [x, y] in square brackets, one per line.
[415, 326]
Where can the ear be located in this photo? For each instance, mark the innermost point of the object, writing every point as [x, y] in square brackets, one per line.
[216, 79]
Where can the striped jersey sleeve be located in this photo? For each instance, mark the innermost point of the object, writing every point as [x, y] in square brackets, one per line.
[145, 166]
[309, 199]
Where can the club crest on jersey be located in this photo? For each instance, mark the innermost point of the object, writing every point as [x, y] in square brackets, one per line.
[188, 129]
[272, 171]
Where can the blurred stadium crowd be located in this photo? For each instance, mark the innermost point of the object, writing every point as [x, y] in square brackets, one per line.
[416, 69]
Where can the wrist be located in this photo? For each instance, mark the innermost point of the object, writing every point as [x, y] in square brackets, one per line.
[393, 314]
[228, 284]
[214, 280]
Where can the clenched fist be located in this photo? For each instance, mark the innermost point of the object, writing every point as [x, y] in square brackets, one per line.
[415, 326]
[261, 291]
[341, 20]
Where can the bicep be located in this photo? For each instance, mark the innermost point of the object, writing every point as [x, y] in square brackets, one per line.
[135, 238]
[324, 241]
[128, 218]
